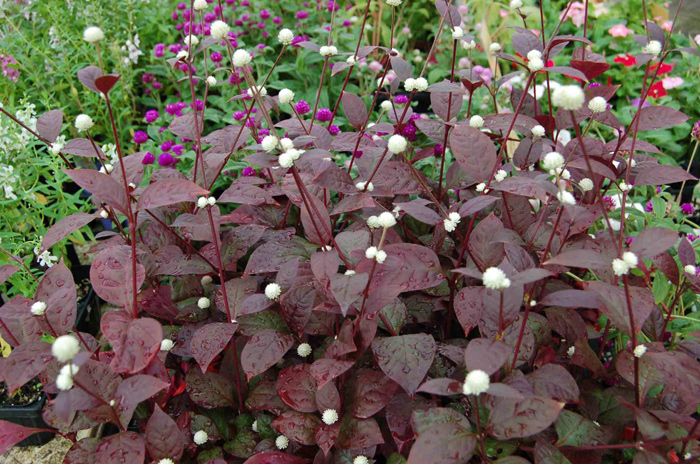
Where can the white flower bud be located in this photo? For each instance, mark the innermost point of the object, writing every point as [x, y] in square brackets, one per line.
[330, 416]
[349, 272]
[495, 47]
[481, 187]
[471, 45]
[361, 186]
[166, 345]
[254, 427]
[65, 347]
[586, 184]
[500, 175]
[203, 303]
[219, 30]
[201, 437]
[421, 84]
[83, 122]
[282, 442]
[269, 143]
[328, 50]
[568, 97]
[286, 96]
[285, 36]
[397, 143]
[371, 252]
[386, 106]
[690, 269]
[38, 308]
[206, 280]
[620, 267]
[93, 34]
[457, 33]
[241, 58]
[386, 220]
[211, 80]
[191, 41]
[380, 256]
[535, 64]
[653, 48]
[476, 383]
[476, 121]
[631, 259]
[202, 202]
[200, 5]
[566, 197]
[538, 131]
[273, 291]
[534, 55]
[495, 279]
[304, 350]
[104, 214]
[639, 351]
[598, 105]
[516, 4]
[552, 161]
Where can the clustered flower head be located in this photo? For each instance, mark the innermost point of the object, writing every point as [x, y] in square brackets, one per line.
[535, 62]
[397, 144]
[203, 202]
[419, 85]
[328, 50]
[360, 460]
[203, 303]
[241, 58]
[269, 142]
[516, 4]
[285, 36]
[552, 161]
[166, 345]
[330, 416]
[282, 442]
[495, 47]
[38, 308]
[690, 269]
[476, 121]
[385, 220]
[566, 197]
[286, 96]
[476, 383]
[64, 379]
[653, 48]
[451, 222]
[219, 29]
[538, 131]
[166, 461]
[361, 186]
[621, 266]
[586, 184]
[65, 347]
[93, 34]
[200, 5]
[83, 122]
[598, 105]
[457, 33]
[304, 350]
[201, 437]
[376, 254]
[495, 279]
[568, 97]
[287, 159]
[273, 291]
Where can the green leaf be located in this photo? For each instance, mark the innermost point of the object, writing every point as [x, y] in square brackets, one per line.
[576, 430]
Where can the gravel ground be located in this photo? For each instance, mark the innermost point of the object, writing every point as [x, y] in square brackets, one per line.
[51, 453]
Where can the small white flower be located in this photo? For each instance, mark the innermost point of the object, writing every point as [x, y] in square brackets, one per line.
[349, 272]
[257, 90]
[182, 54]
[471, 45]
[191, 41]
[65, 347]
[201, 437]
[495, 47]
[631, 259]
[564, 173]
[330, 416]
[371, 252]
[449, 225]
[286, 96]
[620, 267]
[38, 308]
[93, 34]
[598, 105]
[285, 160]
[476, 383]
[255, 425]
[46, 259]
[373, 222]
[481, 187]
[287, 143]
[269, 143]
[286, 36]
[690, 269]
[203, 303]
[273, 291]
[83, 122]
[166, 461]
[568, 97]
[206, 280]
[552, 161]
[211, 80]
[104, 214]
[535, 64]
[64, 382]
[538, 131]
[409, 84]
[107, 168]
[282, 442]
[625, 187]
[380, 256]
[202, 202]
[500, 175]
[571, 351]
[476, 121]
[69, 369]
[351, 59]
[200, 5]
[454, 216]
[361, 186]
[653, 48]
[421, 84]
[566, 197]
[326, 248]
[304, 350]
[397, 143]
[495, 279]
[386, 220]
[516, 4]
[533, 302]
[639, 351]
[241, 58]
[457, 33]
[328, 50]
[56, 147]
[586, 184]
[534, 55]
[393, 2]
[166, 345]
[386, 105]
[132, 185]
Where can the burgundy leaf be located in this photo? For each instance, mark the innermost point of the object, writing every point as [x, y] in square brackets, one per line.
[7, 271]
[553, 381]
[298, 426]
[11, 434]
[49, 125]
[64, 228]
[168, 192]
[105, 83]
[658, 117]
[133, 391]
[210, 340]
[25, 362]
[263, 350]
[184, 126]
[369, 393]
[275, 457]
[584, 258]
[111, 275]
[88, 75]
[326, 436]
[58, 291]
[358, 433]
[82, 451]
[121, 448]
[661, 174]
[348, 289]
[101, 186]
[446, 443]
[327, 369]
[355, 109]
[443, 387]
[614, 304]
[474, 151]
[518, 418]
[405, 359]
[135, 341]
[419, 210]
[163, 437]
[422, 420]
[237, 291]
[297, 305]
[487, 355]
[653, 241]
[408, 267]
[209, 390]
[572, 299]
[297, 388]
[83, 147]
[245, 194]
[476, 204]
[469, 303]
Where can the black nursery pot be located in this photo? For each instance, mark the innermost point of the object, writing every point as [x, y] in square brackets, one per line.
[88, 317]
[28, 416]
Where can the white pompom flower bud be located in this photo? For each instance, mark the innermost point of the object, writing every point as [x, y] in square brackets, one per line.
[631, 259]
[476, 383]
[93, 34]
[386, 220]
[254, 427]
[380, 256]
[500, 175]
[620, 267]
[481, 187]
[206, 280]
[598, 105]
[330, 416]
[83, 122]
[386, 106]
[166, 345]
[552, 161]
[219, 30]
[534, 55]
[495, 279]
[200, 5]
[282, 442]
[371, 252]
[241, 58]
[476, 121]
[211, 80]
[639, 351]
[586, 184]
[304, 350]
[269, 143]
[38, 308]
[538, 131]
[191, 40]
[285, 36]
[457, 33]
[328, 50]
[65, 347]
[201, 437]
[397, 143]
[421, 84]
[203, 303]
[495, 47]
[393, 2]
[514, 4]
[350, 272]
[64, 382]
[286, 96]
[653, 48]
[471, 45]
[409, 84]
[361, 186]
[568, 97]
[211, 201]
[285, 160]
[166, 461]
[690, 269]
[373, 222]
[202, 202]
[535, 64]
[273, 291]
[566, 197]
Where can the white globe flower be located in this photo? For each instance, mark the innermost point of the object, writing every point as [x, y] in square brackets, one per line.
[653, 48]
[203, 303]
[566, 197]
[360, 460]
[328, 50]
[690, 269]
[495, 47]
[269, 143]
[206, 280]
[471, 45]
[273, 291]
[586, 184]
[495, 279]
[552, 161]
[481, 187]
[476, 121]
[287, 143]
[568, 97]
[166, 461]
[371, 252]
[330, 416]
[631, 259]
[397, 143]
[282, 442]
[286, 96]
[361, 186]
[516, 4]
[200, 5]
[211, 201]
[457, 33]
[257, 90]
[620, 267]
[83, 122]
[393, 2]
[386, 220]
[380, 256]
[476, 383]
[219, 30]
[64, 382]
[65, 347]
[538, 131]
[598, 105]
[182, 54]
[349, 272]
[201, 437]
[191, 40]
[535, 64]
[166, 345]
[351, 59]
[625, 187]
[93, 34]
[241, 58]
[304, 350]
[254, 427]
[104, 214]
[373, 222]
[639, 351]
[285, 36]
[534, 55]
[38, 308]
[409, 84]
[386, 106]
[500, 175]
[202, 202]
[211, 80]
[285, 160]
[421, 84]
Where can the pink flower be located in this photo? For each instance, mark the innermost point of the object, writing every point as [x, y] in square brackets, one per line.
[667, 25]
[697, 39]
[577, 13]
[503, 13]
[619, 30]
[672, 82]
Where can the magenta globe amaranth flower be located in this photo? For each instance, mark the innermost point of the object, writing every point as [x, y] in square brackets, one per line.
[159, 50]
[152, 115]
[302, 14]
[302, 107]
[324, 115]
[401, 99]
[248, 172]
[649, 207]
[148, 158]
[177, 149]
[140, 137]
[238, 115]
[166, 146]
[696, 131]
[166, 159]
[334, 130]
[687, 208]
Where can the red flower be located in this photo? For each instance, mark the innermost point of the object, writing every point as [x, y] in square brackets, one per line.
[665, 68]
[626, 59]
[657, 90]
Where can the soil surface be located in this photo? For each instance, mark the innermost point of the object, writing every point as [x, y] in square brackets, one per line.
[30, 392]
